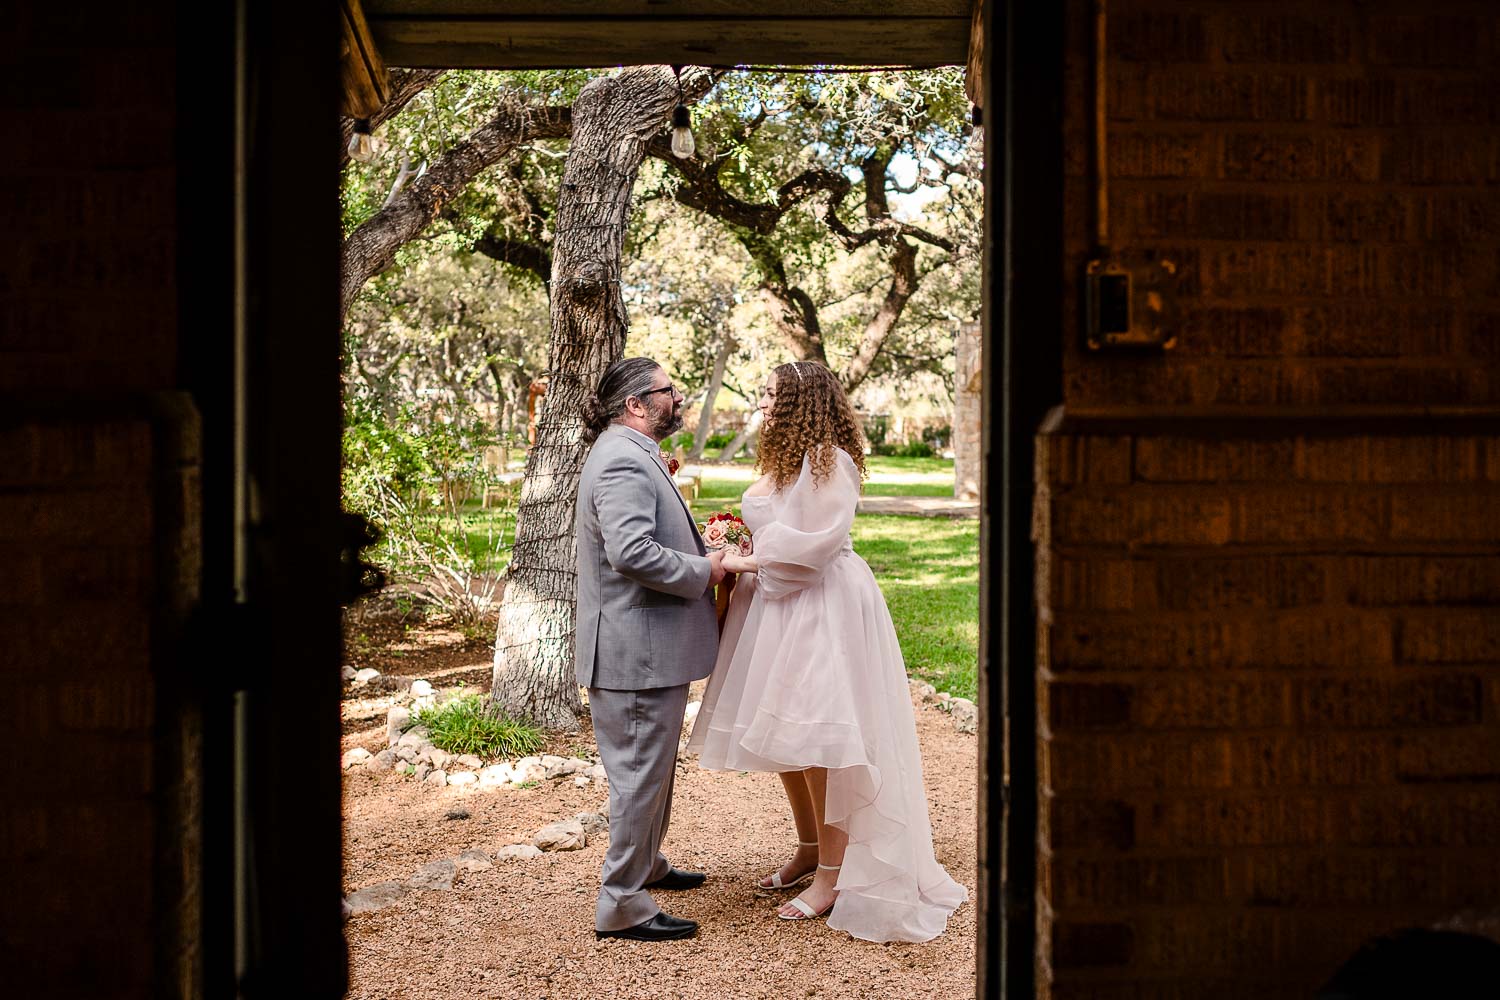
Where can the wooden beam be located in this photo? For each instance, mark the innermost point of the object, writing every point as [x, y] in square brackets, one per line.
[365, 85]
[491, 43]
[974, 69]
[707, 10]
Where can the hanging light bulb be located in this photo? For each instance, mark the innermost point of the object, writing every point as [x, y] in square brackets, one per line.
[362, 143]
[682, 133]
[682, 123]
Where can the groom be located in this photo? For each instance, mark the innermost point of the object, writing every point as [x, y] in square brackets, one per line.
[646, 628]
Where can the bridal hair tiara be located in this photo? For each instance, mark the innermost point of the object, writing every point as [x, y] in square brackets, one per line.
[797, 369]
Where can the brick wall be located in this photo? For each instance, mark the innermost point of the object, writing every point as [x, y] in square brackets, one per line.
[98, 510]
[1324, 176]
[1270, 721]
[1269, 560]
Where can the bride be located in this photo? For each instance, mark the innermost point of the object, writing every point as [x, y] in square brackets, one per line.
[810, 682]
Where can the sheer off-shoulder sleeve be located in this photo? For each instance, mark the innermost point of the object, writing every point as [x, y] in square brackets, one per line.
[810, 530]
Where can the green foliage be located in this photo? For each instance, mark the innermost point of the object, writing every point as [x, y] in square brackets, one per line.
[377, 449]
[912, 449]
[441, 116]
[462, 725]
[410, 473]
[937, 434]
[429, 453]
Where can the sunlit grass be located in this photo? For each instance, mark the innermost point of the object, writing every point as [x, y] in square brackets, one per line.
[462, 725]
[928, 568]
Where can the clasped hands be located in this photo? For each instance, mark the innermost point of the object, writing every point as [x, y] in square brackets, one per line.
[722, 562]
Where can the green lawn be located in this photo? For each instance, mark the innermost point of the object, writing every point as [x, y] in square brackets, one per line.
[928, 568]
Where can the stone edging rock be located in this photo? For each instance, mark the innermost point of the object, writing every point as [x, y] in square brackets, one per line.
[572, 834]
[965, 713]
[411, 753]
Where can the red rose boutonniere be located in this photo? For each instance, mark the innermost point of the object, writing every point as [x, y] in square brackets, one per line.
[672, 464]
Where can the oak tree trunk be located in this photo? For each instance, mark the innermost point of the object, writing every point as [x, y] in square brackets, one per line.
[727, 346]
[750, 430]
[613, 119]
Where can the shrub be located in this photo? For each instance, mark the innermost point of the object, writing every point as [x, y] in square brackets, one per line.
[408, 472]
[718, 439]
[937, 435]
[913, 449]
[462, 725]
[434, 551]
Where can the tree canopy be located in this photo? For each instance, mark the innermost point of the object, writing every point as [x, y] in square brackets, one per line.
[831, 216]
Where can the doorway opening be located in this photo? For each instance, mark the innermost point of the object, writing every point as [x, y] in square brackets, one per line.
[1005, 490]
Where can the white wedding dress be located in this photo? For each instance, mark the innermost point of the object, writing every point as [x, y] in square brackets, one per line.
[810, 674]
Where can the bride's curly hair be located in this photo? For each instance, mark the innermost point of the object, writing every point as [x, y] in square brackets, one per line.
[811, 416]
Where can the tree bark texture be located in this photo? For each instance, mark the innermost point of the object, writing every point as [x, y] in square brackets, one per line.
[372, 247]
[614, 119]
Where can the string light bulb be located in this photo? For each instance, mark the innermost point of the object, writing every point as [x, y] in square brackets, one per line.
[683, 145]
[362, 143]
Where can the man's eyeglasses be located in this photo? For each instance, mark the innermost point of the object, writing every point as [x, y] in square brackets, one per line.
[651, 392]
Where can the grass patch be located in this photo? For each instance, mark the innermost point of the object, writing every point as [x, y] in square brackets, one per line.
[461, 725]
[928, 570]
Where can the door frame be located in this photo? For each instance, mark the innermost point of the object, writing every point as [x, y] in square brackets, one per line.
[284, 425]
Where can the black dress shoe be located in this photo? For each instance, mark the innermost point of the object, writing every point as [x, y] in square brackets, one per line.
[662, 927]
[676, 879]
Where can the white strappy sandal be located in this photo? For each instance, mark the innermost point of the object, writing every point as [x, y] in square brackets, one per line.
[807, 912]
[775, 876]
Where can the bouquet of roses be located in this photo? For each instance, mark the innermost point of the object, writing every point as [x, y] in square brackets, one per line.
[726, 530]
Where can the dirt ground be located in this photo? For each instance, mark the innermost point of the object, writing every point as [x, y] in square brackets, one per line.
[525, 928]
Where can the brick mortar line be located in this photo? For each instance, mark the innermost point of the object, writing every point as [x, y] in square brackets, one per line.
[1361, 851]
[1077, 128]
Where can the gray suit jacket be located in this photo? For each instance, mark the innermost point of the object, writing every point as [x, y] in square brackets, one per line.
[644, 620]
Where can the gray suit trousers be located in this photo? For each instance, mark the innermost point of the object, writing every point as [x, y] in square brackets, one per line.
[638, 733]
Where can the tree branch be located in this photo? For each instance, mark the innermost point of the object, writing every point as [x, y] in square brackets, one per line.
[517, 253]
[903, 286]
[372, 247]
[792, 310]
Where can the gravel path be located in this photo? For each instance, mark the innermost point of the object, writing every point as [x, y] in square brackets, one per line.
[525, 928]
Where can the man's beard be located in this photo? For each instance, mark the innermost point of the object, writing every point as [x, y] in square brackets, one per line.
[666, 422]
